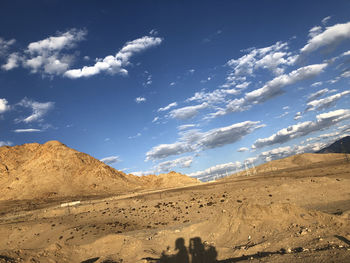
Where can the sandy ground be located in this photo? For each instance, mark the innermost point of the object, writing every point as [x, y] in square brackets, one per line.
[299, 214]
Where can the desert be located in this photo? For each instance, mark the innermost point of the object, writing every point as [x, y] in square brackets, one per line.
[296, 209]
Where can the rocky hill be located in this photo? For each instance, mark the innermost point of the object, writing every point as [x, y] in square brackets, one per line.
[340, 146]
[298, 161]
[53, 170]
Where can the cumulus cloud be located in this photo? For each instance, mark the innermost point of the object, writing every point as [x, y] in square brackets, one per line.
[12, 62]
[226, 135]
[325, 103]
[164, 150]
[110, 160]
[187, 112]
[283, 152]
[243, 149]
[39, 109]
[168, 107]
[183, 162]
[195, 140]
[140, 99]
[271, 89]
[331, 36]
[26, 130]
[115, 64]
[276, 153]
[268, 57]
[273, 58]
[5, 46]
[4, 105]
[323, 121]
[46, 55]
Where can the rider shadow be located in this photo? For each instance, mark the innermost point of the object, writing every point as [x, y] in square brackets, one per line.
[197, 252]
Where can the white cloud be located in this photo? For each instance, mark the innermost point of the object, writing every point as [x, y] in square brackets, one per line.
[226, 135]
[272, 58]
[298, 116]
[325, 20]
[282, 152]
[114, 64]
[39, 109]
[317, 94]
[26, 130]
[165, 150]
[4, 105]
[169, 106]
[12, 62]
[214, 97]
[345, 74]
[322, 121]
[316, 30]
[282, 115]
[347, 53]
[183, 162]
[276, 153]
[5, 143]
[195, 140]
[140, 99]
[46, 55]
[135, 136]
[110, 160]
[187, 112]
[243, 149]
[331, 36]
[5, 46]
[155, 119]
[325, 103]
[186, 126]
[63, 40]
[316, 84]
[271, 89]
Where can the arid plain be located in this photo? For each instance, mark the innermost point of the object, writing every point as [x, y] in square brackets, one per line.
[292, 210]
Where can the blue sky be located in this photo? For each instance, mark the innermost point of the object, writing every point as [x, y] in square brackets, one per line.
[200, 87]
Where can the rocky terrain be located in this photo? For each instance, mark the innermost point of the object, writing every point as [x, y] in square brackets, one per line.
[340, 146]
[291, 210]
[53, 170]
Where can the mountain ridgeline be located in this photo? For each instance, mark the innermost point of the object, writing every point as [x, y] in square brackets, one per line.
[340, 146]
[53, 170]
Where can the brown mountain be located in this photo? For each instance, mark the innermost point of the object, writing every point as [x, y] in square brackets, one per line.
[54, 170]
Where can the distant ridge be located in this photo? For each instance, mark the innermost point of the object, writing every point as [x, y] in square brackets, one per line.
[53, 170]
[340, 146]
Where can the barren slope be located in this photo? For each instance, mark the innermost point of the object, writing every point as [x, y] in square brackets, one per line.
[54, 170]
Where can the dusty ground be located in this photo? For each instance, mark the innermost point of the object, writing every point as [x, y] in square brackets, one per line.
[298, 214]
